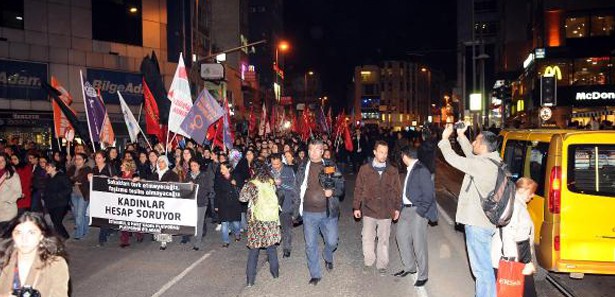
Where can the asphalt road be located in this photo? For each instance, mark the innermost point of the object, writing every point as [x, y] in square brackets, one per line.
[143, 270]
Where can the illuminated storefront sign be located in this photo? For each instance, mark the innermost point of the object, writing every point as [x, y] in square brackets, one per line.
[528, 61]
[595, 95]
[553, 71]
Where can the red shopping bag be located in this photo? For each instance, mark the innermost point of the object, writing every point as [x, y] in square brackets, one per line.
[510, 279]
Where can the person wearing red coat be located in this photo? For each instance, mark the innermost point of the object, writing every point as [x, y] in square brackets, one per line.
[25, 175]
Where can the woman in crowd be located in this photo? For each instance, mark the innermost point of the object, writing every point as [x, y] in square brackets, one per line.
[143, 166]
[516, 240]
[24, 170]
[34, 257]
[113, 159]
[10, 191]
[102, 168]
[263, 220]
[205, 180]
[39, 182]
[290, 160]
[227, 203]
[128, 169]
[164, 174]
[301, 156]
[60, 159]
[152, 157]
[57, 197]
[80, 197]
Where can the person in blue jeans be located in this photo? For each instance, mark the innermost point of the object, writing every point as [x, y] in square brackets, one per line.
[80, 197]
[227, 203]
[319, 207]
[480, 177]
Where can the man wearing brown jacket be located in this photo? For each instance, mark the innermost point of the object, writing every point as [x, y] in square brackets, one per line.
[377, 199]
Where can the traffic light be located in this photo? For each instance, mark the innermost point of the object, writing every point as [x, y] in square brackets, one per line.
[548, 91]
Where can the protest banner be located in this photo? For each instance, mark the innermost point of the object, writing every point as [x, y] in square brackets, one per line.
[143, 206]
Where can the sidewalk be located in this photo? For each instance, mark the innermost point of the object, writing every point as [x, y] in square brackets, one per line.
[449, 272]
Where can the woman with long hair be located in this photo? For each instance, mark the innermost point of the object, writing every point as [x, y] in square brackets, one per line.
[263, 220]
[113, 158]
[32, 256]
[10, 191]
[102, 168]
[80, 197]
[24, 170]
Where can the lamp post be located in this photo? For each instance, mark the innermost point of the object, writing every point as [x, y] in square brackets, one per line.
[305, 84]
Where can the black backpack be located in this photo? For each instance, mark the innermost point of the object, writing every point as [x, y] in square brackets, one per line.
[499, 204]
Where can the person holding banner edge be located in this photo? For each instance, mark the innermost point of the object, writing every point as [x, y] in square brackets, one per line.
[128, 168]
[164, 175]
[205, 180]
[103, 169]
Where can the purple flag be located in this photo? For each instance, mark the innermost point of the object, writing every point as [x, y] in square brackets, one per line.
[227, 137]
[205, 112]
[94, 109]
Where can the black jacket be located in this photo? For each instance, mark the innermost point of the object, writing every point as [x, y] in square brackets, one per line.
[420, 190]
[205, 180]
[334, 201]
[227, 200]
[58, 190]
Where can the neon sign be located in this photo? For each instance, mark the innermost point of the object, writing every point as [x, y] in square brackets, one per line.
[553, 71]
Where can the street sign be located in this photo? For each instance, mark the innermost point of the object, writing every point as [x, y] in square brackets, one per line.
[212, 71]
[548, 90]
[545, 113]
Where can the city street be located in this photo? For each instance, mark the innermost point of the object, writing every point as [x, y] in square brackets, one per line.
[143, 270]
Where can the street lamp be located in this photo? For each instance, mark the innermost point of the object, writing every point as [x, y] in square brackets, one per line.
[305, 84]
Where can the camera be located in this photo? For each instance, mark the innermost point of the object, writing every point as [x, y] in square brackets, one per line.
[459, 125]
[26, 291]
[327, 177]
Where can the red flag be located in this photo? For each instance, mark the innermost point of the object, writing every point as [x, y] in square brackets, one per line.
[272, 119]
[294, 127]
[329, 121]
[60, 121]
[152, 116]
[252, 123]
[306, 129]
[347, 137]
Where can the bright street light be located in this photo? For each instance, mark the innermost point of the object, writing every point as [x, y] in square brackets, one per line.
[283, 46]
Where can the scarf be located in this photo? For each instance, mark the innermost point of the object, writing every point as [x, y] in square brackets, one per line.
[380, 167]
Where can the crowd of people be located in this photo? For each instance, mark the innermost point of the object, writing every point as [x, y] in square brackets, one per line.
[263, 187]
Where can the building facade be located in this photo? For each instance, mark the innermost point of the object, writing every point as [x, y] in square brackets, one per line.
[395, 94]
[573, 42]
[105, 40]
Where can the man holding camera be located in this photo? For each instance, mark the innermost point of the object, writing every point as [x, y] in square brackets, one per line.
[479, 180]
[377, 200]
[286, 189]
[320, 186]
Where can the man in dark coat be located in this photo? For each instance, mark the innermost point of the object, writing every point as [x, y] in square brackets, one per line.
[419, 207]
[227, 203]
[286, 185]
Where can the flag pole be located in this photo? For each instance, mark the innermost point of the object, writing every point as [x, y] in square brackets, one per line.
[140, 109]
[87, 114]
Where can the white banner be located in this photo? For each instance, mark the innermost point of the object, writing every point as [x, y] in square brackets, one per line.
[143, 206]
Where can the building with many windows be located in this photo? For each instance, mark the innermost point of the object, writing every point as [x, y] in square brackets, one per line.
[573, 43]
[395, 94]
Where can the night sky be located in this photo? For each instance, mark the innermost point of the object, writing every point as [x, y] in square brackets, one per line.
[331, 37]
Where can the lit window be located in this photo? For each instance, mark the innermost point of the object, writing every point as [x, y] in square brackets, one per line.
[576, 27]
[602, 25]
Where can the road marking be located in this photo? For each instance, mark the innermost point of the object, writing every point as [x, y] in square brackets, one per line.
[177, 278]
[444, 215]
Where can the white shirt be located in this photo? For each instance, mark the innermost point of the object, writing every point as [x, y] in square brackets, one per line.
[405, 199]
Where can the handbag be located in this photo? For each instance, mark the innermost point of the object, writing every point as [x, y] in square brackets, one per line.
[510, 280]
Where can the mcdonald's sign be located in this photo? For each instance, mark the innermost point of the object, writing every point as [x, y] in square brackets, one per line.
[551, 71]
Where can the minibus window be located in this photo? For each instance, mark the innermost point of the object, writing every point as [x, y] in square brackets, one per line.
[591, 169]
[538, 166]
[514, 156]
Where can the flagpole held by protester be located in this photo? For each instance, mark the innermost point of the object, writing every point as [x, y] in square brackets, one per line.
[85, 105]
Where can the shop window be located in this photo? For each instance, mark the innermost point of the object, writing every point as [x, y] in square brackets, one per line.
[558, 68]
[117, 21]
[576, 27]
[11, 14]
[592, 71]
[602, 25]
